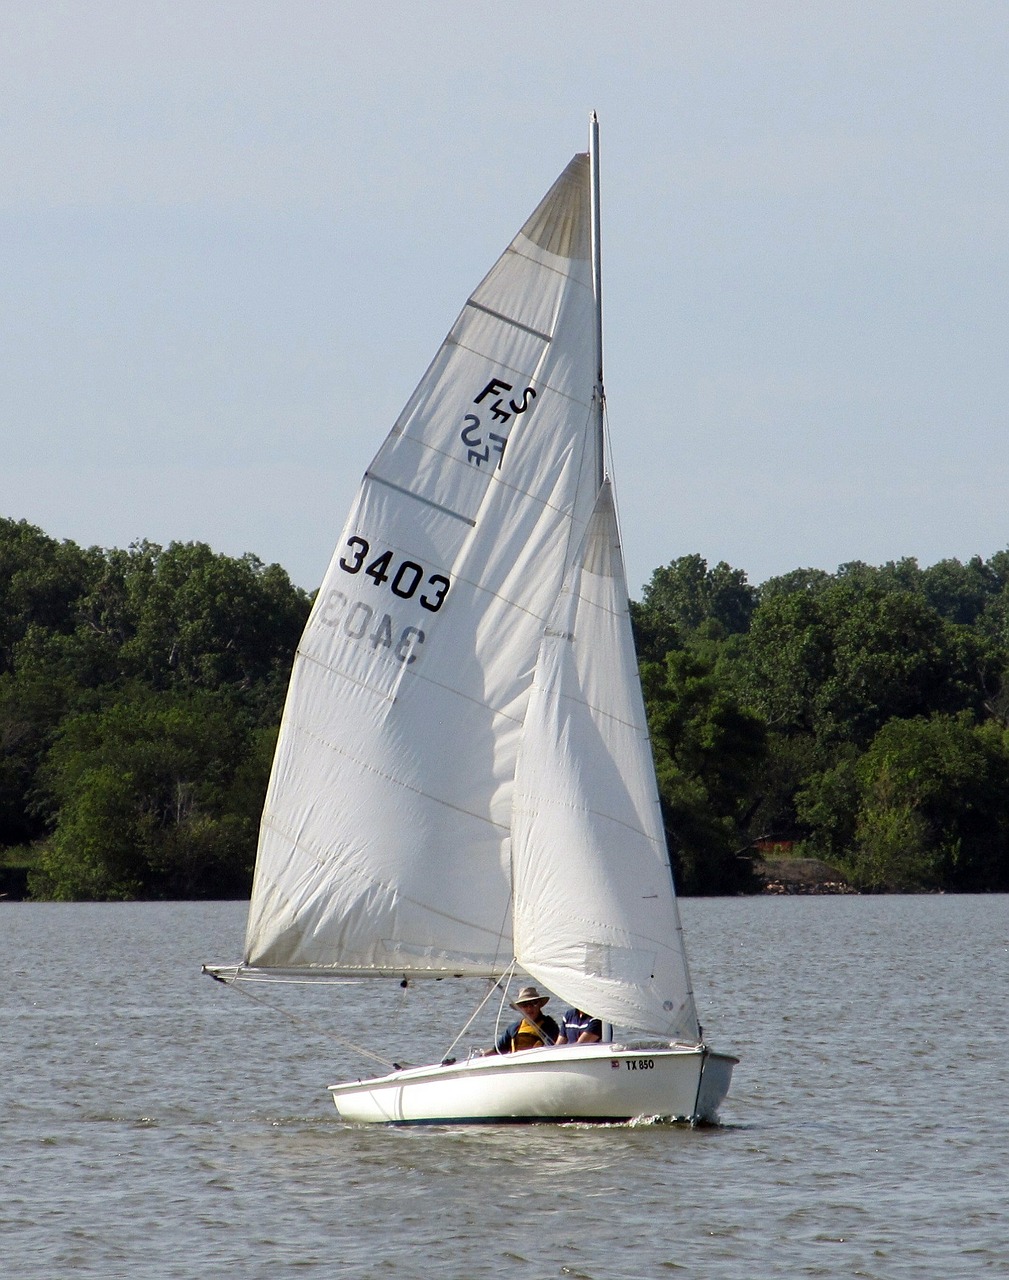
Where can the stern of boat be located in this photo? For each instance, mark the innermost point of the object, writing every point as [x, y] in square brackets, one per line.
[716, 1076]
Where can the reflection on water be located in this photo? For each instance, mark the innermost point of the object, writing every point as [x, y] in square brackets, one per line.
[157, 1124]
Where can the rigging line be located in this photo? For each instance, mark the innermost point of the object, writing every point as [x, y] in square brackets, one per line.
[491, 988]
[506, 979]
[505, 924]
[303, 1022]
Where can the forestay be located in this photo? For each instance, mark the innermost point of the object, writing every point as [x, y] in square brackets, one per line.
[595, 916]
[385, 842]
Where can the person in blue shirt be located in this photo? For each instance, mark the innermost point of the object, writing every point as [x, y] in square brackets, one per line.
[579, 1028]
[534, 1029]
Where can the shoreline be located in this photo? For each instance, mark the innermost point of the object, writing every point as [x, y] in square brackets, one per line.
[798, 876]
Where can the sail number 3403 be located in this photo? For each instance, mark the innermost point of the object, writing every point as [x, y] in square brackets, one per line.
[405, 577]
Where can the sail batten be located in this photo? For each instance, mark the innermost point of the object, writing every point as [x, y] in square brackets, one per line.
[408, 493]
[516, 324]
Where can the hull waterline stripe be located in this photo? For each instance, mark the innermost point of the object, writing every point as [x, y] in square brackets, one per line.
[474, 1120]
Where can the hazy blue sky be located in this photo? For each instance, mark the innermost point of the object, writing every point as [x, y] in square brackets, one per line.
[232, 235]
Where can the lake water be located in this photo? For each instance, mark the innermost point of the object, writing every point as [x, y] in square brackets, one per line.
[157, 1124]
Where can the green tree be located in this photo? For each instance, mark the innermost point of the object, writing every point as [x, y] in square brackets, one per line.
[786, 660]
[841, 662]
[807, 582]
[655, 634]
[827, 807]
[933, 806]
[40, 581]
[893, 657]
[79, 629]
[960, 592]
[706, 749]
[789, 761]
[206, 620]
[686, 594]
[150, 796]
[45, 681]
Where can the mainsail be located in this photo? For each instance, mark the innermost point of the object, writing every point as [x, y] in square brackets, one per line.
[385, 845]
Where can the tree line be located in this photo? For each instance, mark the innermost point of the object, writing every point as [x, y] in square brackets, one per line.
[140, 695]
[859, 717]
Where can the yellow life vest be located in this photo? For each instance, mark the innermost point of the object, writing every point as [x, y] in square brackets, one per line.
[527, 1037]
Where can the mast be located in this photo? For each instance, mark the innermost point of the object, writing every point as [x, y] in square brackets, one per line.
[598, 394]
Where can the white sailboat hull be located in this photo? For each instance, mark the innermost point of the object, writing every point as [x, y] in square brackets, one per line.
[589, 1083]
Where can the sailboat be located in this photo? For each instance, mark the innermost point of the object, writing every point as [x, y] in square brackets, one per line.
[463, 783]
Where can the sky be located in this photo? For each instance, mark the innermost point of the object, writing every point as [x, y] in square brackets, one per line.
[234, 232]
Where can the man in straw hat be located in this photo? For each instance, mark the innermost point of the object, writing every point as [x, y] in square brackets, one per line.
[533, 1029]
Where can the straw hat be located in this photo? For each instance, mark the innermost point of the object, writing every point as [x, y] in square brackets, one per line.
[529, 995]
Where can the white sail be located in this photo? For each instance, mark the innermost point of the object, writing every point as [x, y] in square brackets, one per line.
[463, 781]
[595, 918]
[385, 841]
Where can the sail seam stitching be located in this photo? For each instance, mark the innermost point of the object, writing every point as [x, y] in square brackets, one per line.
[361, 684]
[521, 804]
[286, 833]
[270, 820]
[541, 383]
[612, 716]
[563, 271]
[496, 711]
